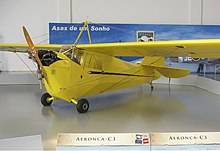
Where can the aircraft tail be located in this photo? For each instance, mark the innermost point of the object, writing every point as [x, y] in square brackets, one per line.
[158, 63]
[153, 61]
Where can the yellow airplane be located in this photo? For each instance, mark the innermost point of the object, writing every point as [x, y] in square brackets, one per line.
[74, 71]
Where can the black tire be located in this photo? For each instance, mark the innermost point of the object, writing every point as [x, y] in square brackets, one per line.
[82, 106]
[44, 99]
[152, 87]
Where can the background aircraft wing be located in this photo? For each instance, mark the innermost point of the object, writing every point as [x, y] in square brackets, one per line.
[194, 48]
[24, 47]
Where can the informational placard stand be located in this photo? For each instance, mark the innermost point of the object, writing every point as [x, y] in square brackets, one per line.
[185, 141]
[104, 142]
[139, 141]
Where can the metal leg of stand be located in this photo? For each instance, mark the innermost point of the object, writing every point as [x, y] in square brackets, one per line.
[204, 69]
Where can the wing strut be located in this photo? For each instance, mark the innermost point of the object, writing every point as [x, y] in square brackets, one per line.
[85, 27]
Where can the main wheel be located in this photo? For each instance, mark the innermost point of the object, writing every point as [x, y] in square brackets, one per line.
[82, 106]
[45, 99]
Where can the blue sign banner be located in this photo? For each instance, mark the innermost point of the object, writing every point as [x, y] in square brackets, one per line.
[66, 33]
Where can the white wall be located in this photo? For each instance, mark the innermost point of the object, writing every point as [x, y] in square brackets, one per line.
[138, 11]
[37, 14]
[211, 12]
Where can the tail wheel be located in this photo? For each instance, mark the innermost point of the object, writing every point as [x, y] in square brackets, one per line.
[45, 99]
[82, 106]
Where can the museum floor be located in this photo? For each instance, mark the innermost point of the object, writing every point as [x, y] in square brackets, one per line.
[211, 76]
[174, 109]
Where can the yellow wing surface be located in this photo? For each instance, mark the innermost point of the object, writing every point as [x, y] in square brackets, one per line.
[24, 47]
[209, 48]
[195, 48]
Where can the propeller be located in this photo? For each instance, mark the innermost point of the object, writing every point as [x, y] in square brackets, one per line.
[33, 54]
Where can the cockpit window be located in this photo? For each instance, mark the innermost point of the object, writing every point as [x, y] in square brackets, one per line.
[74, 55]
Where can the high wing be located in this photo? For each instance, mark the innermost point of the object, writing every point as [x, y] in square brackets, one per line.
[209, 48]
[24, 47]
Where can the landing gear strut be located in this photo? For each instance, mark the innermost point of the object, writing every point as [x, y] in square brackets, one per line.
[46, 99]
[82, 106]
[151, 86]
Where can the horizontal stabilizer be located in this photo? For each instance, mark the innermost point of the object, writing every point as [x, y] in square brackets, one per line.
[153, 61]
[170, 72]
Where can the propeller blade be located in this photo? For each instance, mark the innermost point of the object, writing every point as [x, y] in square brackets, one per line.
[33, 52]
[28, 39]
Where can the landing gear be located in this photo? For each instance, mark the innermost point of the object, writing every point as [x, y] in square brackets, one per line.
[82, 106]
[46, 99]
[151, 86]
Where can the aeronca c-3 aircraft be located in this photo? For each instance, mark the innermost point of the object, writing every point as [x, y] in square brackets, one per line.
[77, 70]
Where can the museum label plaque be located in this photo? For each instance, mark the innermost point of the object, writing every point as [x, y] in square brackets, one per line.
[103, 141]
